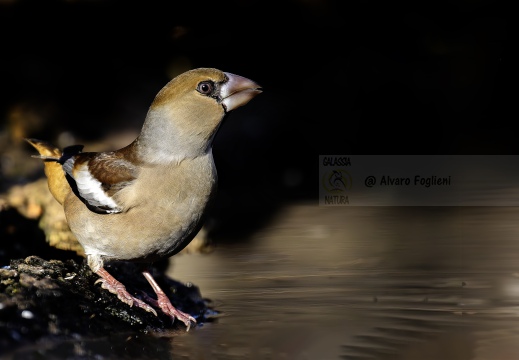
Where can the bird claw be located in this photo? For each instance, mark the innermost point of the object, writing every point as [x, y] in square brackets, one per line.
[165, 305]
[117, 289]
[167, 308]
[123, 295]
[141, 304]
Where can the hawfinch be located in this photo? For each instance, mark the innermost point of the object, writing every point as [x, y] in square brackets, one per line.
[146, 201]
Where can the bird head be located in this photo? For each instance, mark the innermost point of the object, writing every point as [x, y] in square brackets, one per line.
[187, 112]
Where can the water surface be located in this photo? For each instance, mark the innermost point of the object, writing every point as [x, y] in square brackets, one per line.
[364, 283]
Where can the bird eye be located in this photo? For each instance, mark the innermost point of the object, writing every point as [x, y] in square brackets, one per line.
[205, 87]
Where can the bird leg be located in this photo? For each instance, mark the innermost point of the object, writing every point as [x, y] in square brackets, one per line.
[165, 304]
[111, 284]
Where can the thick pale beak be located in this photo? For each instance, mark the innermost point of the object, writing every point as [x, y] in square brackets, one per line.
[238, 91]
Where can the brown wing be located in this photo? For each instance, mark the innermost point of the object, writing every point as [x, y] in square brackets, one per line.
[99, 176]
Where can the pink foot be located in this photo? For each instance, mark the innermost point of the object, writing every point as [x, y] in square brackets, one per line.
[111, 284]
[165, 304]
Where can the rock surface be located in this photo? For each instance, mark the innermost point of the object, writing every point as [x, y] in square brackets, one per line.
[49, 300]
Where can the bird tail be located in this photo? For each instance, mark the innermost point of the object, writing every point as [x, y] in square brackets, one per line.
[52, 157]
[47, 151]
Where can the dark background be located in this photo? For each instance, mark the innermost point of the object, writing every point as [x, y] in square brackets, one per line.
[339, 78]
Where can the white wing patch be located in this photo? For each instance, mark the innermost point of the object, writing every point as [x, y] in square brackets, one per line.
[91, 190]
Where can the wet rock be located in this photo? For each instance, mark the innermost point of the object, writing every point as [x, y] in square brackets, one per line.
[49, 300]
